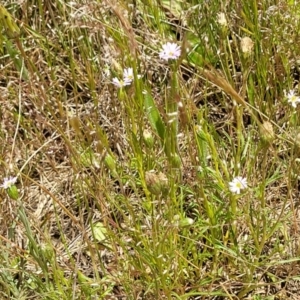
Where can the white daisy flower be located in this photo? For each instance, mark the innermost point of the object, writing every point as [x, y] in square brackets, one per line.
[8, 182]
[293, 99]
[238, 184]
[128, 75]
[120, 83]
[170, 51]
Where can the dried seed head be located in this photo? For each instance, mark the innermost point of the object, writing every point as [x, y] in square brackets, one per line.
[222, 19]
[247, 45]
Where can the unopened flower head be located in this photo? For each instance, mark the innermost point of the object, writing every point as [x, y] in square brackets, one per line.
[8, 182]
[293, 99]
[267, 131]
[148, 138]
[120, 83]
[170, 51]
[237, 184]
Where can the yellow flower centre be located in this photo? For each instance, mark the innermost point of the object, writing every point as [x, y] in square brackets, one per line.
[239, 185]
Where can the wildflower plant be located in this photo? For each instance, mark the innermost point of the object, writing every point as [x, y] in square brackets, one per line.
[292, 98]
[237, 184]
[128, 75]
[9, 185]
[247, 45]
[140, 191]
[170, 51]
[8, 182]
[121, 83]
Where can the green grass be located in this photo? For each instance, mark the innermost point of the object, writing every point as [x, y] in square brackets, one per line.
[124, 193]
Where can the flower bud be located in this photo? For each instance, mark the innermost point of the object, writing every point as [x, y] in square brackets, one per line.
[48, 252]
[13, 192]
[156, 184]
[111, 164]
[148, 138]
[267, 132]
[176, 161]
[184, 222]
[164, 182]
[152, 182]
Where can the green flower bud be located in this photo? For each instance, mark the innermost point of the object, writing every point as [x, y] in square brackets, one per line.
[148, 138]
[157, 184]
[176, 161]
[267, 132]
[13, 192]
[186, 222]
[110, 162]
[164, 182]
[153, 183]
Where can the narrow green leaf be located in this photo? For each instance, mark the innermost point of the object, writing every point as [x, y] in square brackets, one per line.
[154, 117]
[17, 59]
[100, 232]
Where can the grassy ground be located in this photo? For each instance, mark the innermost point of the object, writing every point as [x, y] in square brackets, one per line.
[133, 192]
